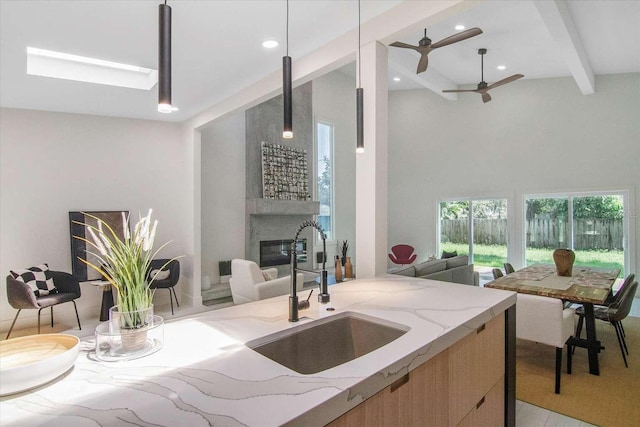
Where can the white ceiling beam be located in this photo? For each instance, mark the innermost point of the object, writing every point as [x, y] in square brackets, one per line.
[557, 18]
[405, 64]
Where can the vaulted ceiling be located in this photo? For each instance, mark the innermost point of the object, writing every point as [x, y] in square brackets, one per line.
[217, 46]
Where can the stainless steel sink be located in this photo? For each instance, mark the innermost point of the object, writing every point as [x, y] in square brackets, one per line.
[329, 342]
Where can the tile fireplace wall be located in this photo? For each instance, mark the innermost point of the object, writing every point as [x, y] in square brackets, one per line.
[277, 219]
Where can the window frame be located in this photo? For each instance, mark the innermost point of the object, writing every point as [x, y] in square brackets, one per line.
[317, 121]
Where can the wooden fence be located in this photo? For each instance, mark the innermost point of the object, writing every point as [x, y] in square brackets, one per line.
[541, 233]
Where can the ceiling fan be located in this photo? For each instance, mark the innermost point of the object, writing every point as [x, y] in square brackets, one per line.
[483, 87]
[425, 46]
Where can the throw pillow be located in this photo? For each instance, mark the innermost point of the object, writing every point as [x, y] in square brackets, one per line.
[159, 274]
[38, 278]
[267, 276]
[446, 254]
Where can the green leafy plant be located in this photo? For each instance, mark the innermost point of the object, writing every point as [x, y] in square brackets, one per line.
[124, 262]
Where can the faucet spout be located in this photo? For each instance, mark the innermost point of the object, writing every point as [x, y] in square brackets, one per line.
[323, 297]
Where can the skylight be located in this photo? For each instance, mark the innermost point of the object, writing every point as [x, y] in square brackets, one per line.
[59, 65]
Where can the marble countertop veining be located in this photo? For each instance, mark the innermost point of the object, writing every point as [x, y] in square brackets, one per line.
[205, 375]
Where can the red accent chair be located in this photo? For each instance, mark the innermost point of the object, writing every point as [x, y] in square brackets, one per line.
[402, 254]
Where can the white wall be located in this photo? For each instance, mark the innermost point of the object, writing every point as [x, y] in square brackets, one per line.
[223, 193]
[53, 163]
[334, 101]
[535, 136]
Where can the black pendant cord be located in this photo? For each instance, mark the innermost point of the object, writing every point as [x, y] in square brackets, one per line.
[359, 57]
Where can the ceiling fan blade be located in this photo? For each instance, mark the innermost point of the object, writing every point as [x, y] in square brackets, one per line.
[459, 90]
[505, 81]
[485, 96]
[463, 35]
[405, 45]
[424, 62]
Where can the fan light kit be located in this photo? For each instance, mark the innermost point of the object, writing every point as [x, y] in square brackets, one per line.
[425, 46]
[483, 87]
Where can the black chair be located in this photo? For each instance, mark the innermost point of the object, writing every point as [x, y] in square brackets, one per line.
[173, 266]
[508, 268]
[497, 273]
[614, 314]
[21, 296]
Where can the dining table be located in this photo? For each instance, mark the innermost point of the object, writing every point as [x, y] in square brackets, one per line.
[588, 286]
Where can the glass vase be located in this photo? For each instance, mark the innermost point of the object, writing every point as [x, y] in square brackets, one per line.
[129, 334]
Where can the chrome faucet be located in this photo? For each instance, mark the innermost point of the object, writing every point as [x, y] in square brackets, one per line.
[323, 298]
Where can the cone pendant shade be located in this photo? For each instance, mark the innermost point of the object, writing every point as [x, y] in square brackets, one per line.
[164, 59]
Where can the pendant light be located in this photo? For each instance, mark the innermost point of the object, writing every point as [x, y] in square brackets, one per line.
[164, 59]
[287, 130]
[359, 99]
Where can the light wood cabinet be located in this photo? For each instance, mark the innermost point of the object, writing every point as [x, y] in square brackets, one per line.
[461, 386]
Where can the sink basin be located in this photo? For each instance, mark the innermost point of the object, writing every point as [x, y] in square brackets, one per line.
[329, 342]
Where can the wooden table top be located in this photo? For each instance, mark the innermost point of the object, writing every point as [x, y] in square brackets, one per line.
[587, 284]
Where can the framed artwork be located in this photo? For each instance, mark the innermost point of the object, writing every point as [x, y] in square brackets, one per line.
[80, 249]
[284, 172]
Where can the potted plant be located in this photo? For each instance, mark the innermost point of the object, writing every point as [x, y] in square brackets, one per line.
[124, 263]
[344, 249]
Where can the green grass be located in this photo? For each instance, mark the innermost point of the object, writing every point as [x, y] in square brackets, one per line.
[495, 256]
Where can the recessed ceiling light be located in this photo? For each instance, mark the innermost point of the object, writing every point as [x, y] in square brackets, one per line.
[396, 79]
[270, 44]
[60, 65]
[501, 67]
[460, 27]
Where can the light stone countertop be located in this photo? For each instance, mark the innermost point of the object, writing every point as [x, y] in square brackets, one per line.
[205, 375]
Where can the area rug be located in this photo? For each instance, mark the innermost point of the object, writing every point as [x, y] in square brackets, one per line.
[611, 399]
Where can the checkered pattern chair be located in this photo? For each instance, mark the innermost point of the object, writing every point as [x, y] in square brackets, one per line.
[22, 297]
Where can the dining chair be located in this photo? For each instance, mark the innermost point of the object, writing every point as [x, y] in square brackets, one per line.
[165, 275]
[614, 314]
[508, 268]
[497, 273]
[544, 320]
[21, 296]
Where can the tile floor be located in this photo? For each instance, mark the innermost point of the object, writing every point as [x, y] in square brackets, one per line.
[528, 415]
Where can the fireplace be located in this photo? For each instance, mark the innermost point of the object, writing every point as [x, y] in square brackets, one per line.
[276, 252]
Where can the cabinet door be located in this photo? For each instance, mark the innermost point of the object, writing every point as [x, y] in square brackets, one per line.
[476, 362]
[418, 399]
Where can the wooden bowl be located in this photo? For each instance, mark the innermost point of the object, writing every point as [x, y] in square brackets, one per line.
[27, 362]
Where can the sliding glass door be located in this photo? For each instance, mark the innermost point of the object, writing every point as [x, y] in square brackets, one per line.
[591, 225]
[475, 227]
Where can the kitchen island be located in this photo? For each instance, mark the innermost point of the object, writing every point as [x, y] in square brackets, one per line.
[205, 375]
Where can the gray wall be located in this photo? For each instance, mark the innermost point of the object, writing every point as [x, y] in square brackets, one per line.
[264, 123]
[535, 136]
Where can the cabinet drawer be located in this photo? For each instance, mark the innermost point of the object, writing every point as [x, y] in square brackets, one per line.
[476, 363]
[489, 411]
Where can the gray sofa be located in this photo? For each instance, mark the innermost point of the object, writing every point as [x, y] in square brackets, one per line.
[456, 269]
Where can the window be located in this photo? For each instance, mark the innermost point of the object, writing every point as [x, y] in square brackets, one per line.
[324, 175]
[590, 224]
[477, 228]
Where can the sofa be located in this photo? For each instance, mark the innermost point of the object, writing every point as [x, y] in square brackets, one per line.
[455, 269]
